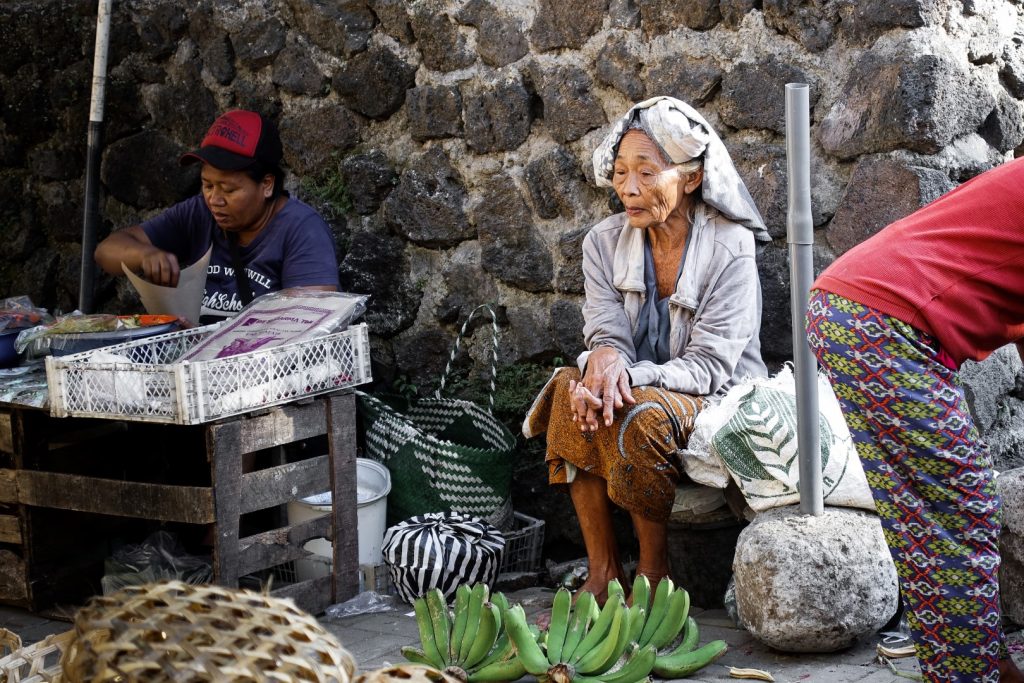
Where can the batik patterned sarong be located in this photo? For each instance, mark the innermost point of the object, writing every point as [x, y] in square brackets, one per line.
[638, 455]
[931, 478]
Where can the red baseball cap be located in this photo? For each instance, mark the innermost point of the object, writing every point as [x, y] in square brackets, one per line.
[237, 140]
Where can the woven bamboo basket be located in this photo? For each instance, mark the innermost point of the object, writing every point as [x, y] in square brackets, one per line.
[36, 663]
[173, 631]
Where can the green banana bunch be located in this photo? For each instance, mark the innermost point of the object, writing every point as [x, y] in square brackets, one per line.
[469, 644]
[666, 622]
[583, 644]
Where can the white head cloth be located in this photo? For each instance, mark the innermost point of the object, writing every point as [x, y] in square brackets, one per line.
[682, 134]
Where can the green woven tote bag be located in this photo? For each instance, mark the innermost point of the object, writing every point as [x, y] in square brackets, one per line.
[443, 453]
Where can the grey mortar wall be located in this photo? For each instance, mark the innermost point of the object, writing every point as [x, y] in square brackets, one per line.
[462, 131]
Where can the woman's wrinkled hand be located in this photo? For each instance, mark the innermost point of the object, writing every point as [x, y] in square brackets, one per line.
[603, 389]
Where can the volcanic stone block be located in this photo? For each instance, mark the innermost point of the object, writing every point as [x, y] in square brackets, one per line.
[904, 99]
[693, 80]
[295, 72]
[869, 19]
[434, 111]
[257, 41]
[763, 170]
[313, 134]
[376, 264]
[809, 22]
[733, 11]
[753, 94]
[567, 328]
[570, 108]
[776, 313]
[1011, 72]
[619, 65]
[570, 269]
[510, 247]
[880, 191]
[1010, 485]
[373, 83]
[466, 284]
[496, 113]
[566, 24]
[394, 19]
[556, 184]
[368, 180]
[1004, 127]
[440, 42]
[501, 39]
[143, 170]
[624, 13]
[160, 26]
[661, 16]
[426, 207]
[342, 27]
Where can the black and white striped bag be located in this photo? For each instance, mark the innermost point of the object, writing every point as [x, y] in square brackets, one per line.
[441, 550]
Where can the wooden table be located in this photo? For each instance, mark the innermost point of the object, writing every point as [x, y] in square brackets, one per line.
[70, 488]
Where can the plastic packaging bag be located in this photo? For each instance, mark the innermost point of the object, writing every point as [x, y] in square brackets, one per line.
[18, 312]
[281, 318]
[160, 556]
[367, 602]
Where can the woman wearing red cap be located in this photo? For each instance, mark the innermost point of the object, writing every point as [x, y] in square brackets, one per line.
[243, 213]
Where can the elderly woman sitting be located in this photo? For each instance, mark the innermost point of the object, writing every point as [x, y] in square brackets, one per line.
[672, 314]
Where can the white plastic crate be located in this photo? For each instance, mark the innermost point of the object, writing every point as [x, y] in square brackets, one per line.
[153, 387]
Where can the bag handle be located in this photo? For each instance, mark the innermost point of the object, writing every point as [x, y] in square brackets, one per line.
[494, 354]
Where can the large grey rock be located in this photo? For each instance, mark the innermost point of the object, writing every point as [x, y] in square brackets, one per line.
[809, 22]
[183, 106]
[377, 264]
[23, 25]
[763, 170]
[426, 207]
[619, 65]
[215, 51]
[566, 24]
[466, 284]
[693, 80]
[1004, 127]
[776, 313]
[813, 584]
[257, 94]
[312, 134]
[374, 82]
[369, 179]
[435, 111]
[570, 108]
[661, 16]
[496, 113]
[341, 27]
[56, 162]
[296, 72]
[752, 93]
[904, 99]
[25, 107]
[1010, 485]
[142, 170]
[556, 184]
[510, 247]
[438, 37]
[530, 333]
[60, 210]
[501, 39]
[881, 190]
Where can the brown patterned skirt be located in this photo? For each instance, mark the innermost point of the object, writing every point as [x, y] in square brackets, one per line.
[638, 455]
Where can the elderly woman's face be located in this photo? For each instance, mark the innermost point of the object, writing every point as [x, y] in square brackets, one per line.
[649, 187]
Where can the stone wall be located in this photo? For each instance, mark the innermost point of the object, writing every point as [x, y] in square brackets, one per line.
[457, 134]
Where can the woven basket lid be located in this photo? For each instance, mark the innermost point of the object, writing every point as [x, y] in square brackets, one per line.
[173, 631]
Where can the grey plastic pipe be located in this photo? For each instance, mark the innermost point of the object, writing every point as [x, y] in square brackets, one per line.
[91, 213]
[800, 231]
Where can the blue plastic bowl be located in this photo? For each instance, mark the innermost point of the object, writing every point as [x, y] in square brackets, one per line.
[8, 356]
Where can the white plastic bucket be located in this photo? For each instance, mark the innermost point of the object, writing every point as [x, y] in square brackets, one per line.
[373, 482]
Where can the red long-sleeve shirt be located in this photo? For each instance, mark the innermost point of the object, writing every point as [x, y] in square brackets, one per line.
[953, 269]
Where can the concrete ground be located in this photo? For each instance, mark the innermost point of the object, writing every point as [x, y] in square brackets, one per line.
[375, 639]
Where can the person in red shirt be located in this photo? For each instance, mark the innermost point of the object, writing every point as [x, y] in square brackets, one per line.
[891, 322]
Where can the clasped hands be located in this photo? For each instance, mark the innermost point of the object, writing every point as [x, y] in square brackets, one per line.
[603, 389]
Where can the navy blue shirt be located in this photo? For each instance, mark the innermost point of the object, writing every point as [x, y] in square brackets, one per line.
[295, 249]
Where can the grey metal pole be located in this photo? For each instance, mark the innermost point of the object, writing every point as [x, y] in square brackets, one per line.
[801, 274]
[91, 213]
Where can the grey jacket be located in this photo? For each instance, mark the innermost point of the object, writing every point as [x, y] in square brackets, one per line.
[715, 312]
